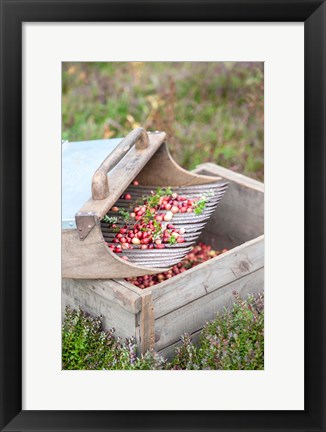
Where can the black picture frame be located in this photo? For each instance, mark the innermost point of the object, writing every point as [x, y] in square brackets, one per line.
[13, 14]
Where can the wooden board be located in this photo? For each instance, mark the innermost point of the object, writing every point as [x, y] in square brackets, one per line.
[109, 290]
[147, 335]
[92, 259]
[193, 316]
[76, 294]
[123, 174]
[162, 170]
[239, 217]
[208, 276]
[210, 169]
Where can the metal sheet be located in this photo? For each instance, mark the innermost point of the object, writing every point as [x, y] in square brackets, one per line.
[79, 162]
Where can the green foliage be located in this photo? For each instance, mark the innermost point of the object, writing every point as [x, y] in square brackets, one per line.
[200, 205]
[125, 215]
[211, 111]
[86, 346]
[172, 240]
[158, 230]
[152, 201]
[110, 219]
[161, 192]
[233, 341]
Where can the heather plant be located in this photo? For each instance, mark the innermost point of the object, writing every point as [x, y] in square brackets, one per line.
[233, 341]
[86, 346]
[186, 355]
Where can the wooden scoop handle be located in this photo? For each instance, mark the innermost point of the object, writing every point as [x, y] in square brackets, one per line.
[100, 183]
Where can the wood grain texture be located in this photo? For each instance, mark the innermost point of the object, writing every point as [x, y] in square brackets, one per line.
[193, 316]
[109, 291]
[78, 295]
[208, 276]
[92, 259]
[123, 174]
[147, 334]
[100, 184]
[210, 169]
[239, 217]
[162, 170]
[129, 286]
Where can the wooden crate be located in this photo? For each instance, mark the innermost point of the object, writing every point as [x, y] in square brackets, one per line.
[159, 315]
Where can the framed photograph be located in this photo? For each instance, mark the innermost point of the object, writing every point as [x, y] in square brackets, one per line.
[56, 57]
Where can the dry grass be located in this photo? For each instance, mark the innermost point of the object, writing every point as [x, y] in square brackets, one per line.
[210, 111]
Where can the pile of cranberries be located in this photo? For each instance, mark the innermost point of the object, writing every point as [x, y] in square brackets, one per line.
[151, 226]
[142, 235]
[197, 255]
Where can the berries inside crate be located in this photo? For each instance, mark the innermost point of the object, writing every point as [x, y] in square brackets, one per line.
[159, 315]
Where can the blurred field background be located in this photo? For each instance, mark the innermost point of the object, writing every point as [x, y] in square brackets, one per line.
[211, 112]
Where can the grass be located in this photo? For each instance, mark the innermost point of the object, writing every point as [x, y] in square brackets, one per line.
[211, 112]
[233, 341]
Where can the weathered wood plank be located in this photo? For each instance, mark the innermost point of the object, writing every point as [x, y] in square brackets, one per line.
[109, 290]
[78, 295]
[129, 286]
[239, 217]
[210, 168]
[208, 276]
[194, 315]
[147, 334]
[92, 259]
[162, 170]
[123, 174]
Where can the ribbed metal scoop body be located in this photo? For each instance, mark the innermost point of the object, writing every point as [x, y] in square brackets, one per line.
[192, 223]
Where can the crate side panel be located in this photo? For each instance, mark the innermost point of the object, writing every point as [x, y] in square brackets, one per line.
[239, 217]
[76, 294]
[193, 316]
[111, 291]
[208, 277]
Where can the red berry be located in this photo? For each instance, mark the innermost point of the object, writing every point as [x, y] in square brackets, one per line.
[160, 246]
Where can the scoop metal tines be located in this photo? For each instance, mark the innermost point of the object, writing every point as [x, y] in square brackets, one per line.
[192, 223]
